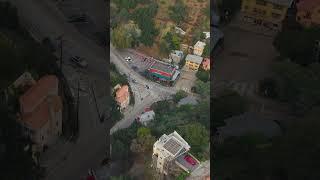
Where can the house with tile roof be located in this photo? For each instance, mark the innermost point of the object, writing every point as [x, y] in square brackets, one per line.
[308, 13]
[123, 96]
[41, 111]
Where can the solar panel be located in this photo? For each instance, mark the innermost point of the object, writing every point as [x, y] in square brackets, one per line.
[172, 146]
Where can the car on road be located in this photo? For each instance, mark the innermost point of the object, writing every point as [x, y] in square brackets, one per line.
[128, 58]
[79, 61]
[147, 87]
[133, 80]
[190, 160]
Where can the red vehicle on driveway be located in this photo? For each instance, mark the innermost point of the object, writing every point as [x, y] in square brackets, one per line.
[190, 160]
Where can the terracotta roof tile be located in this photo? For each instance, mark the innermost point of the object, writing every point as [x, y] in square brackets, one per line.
[122, 94]
[38, 92]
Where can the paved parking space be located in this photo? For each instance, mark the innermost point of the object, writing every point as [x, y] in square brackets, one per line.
[186, 81]
[140, 62]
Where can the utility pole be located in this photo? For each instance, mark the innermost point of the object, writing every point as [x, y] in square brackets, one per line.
[95, 101]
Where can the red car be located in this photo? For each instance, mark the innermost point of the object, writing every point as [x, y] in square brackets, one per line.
[190, 160]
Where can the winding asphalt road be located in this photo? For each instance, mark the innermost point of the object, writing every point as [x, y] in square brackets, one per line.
[72, 160]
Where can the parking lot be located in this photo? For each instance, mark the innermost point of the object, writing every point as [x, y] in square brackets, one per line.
[186, 81]
[139, 62]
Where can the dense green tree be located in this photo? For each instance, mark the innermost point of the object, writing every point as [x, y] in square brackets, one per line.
[203, 88]
[226, 105]
[178, 12]
[144, 141]
[298, 85]
[197, 136]
[173, 40]
[120, 38]
[179, 95]
[297, 44]
[292, 156]
[203, 75]
[206, 51]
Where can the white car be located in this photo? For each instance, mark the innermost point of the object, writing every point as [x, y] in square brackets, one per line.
[128, 58]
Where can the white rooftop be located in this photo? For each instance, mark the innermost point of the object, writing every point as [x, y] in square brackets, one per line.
[200, 44]
[173, 144]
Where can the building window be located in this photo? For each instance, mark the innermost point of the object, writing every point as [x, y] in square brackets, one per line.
[42, 138]
[57, 124]
[278, 7]
[276, 16]
[261, 2]
[298, 18]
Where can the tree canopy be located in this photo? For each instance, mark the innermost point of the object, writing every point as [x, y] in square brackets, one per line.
[197, 137]
[178, 12]
[297, 44]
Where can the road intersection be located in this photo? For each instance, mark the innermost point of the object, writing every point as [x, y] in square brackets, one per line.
[72, 160]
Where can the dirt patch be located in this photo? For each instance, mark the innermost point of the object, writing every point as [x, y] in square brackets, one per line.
[164, 23]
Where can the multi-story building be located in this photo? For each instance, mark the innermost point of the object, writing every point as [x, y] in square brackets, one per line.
[163, 71]
[171, 151]
[41, 111]
[193, 62]
[198, 48]
[267, 13]
[176, 56]
[308, 13]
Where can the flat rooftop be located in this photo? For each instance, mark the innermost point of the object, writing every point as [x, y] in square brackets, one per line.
[173, 146]
[162, 67]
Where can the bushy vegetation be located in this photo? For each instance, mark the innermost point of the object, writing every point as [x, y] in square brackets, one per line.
[122, 11]
[178, 12]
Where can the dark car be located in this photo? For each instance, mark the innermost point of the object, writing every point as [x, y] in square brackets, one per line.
[79, 61]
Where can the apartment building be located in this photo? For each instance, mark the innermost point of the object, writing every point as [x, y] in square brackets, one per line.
[267, 13]
[193, 62]
[41, 111]
[198, 48]
[308, 13]
[170, 152]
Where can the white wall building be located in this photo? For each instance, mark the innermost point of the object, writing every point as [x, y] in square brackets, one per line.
[167, 149]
